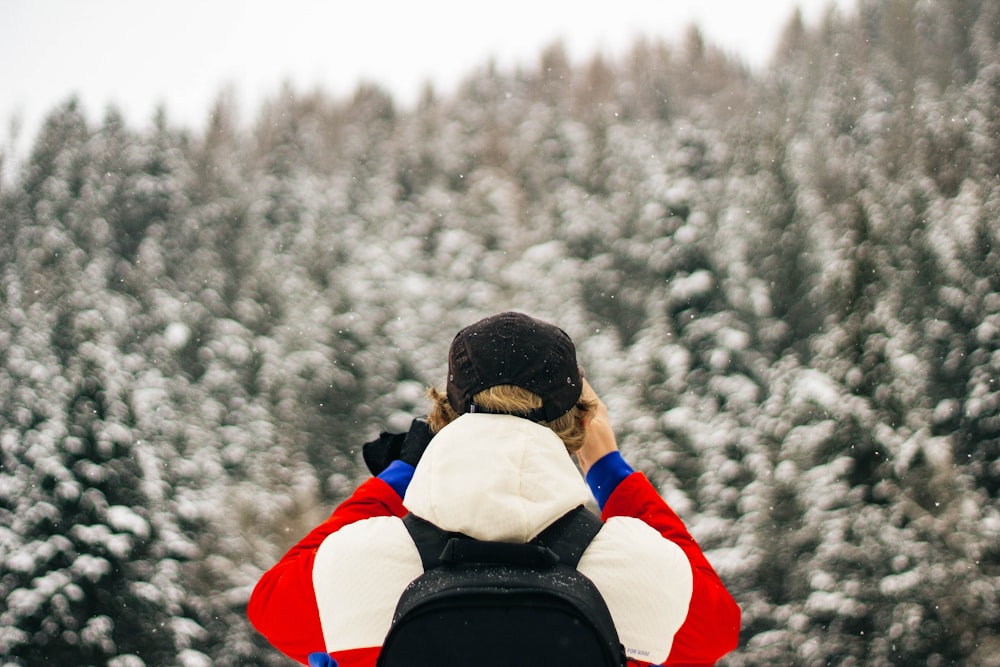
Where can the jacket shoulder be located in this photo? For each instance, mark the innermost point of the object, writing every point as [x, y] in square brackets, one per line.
[646, 581]
[358, 575]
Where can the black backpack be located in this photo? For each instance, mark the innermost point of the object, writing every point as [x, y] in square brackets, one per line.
[493, 604]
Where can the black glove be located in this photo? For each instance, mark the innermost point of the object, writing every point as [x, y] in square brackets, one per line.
[388, 447]
[416, 441]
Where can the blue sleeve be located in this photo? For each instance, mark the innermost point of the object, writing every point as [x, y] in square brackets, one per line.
[605, 476]
[397, 475]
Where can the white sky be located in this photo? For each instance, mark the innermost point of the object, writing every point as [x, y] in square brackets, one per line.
[141, 54]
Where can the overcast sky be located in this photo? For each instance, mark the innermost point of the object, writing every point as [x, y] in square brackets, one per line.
[141, 54]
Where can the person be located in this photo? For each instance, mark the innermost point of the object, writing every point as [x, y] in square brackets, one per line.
[495, 460]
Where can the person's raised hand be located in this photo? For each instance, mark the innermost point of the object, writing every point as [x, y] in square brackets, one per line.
[600, 438]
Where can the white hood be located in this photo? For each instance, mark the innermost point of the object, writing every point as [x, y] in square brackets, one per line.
[495, 477]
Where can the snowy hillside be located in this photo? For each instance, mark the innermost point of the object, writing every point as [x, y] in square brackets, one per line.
[786, 285]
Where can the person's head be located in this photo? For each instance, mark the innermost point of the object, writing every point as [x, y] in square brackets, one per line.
[511, 363]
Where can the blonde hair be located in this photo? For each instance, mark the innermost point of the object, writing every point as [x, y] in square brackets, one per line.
[508, 399]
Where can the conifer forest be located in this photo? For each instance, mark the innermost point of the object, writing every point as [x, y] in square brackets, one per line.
[785, 284]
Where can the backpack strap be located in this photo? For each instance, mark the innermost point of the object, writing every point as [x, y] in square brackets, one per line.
[428, 538]
[564, 541]
[570, 535]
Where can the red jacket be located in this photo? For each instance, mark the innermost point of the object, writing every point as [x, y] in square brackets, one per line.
[284, 608]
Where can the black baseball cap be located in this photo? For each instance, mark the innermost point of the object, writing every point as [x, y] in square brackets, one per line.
[516, 349]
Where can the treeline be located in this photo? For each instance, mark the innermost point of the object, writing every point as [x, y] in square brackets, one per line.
[786, 284]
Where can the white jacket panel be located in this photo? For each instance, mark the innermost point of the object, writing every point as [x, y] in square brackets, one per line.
[359, 573]
[646, 582]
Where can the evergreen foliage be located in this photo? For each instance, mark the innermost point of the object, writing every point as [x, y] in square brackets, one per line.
[786, 285]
